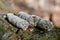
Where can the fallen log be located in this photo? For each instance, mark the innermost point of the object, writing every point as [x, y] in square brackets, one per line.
[20, 23]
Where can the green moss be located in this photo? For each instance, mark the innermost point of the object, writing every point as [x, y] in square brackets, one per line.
[37, 35]
[2, 29]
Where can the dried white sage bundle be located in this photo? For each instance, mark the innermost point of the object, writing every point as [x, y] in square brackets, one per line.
[15, 20]
[36, 21]
[45, 24]
[42, 23]
[26, 17]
